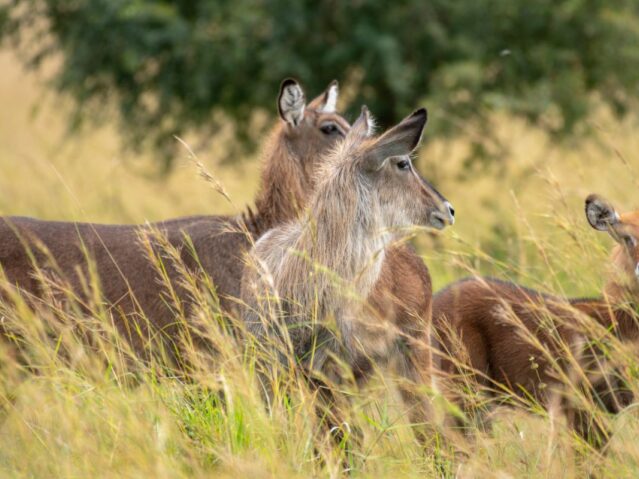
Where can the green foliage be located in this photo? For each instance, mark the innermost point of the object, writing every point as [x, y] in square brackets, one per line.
[169, 65]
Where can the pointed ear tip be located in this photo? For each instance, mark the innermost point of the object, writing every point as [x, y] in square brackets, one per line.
[592, 197]
[288, 82]
[421, 112]
[598, 200]
[333, 84]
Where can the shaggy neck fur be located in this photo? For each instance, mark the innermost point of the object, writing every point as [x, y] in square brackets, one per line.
[341, 241]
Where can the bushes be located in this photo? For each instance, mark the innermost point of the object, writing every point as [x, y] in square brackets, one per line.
[167, 66]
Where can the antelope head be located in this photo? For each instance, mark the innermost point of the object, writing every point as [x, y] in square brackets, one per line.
[386, 174]
[624, 229]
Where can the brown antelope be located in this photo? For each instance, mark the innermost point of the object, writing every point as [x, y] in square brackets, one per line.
[305, 274]
[129, 281]
[479, 321]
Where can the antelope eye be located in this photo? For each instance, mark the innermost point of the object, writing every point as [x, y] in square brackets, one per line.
[328, 128]
[403, 164]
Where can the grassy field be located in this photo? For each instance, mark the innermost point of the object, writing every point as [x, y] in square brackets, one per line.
[522, 219]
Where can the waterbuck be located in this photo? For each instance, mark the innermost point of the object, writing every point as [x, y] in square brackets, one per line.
[131, 284]
[320, 287]
[513, 338]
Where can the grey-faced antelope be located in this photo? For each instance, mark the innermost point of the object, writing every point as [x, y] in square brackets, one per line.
[487, 325]
[332, 263]
[129, 281]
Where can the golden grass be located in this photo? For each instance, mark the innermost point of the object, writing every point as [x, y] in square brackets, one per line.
[79, 418]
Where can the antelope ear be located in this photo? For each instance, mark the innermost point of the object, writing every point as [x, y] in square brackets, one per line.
[364, 125]
[291, 102]
[401, 140]
[600, 213]
[327, 101]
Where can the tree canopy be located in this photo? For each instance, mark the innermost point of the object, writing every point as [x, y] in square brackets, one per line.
[167, 66]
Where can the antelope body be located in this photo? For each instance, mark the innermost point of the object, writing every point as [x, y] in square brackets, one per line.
[337, 263]
[480, 322]
[130, 283]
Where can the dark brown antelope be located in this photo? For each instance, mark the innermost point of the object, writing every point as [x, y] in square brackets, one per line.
[306, 274]
[130, 282]
[499, 329]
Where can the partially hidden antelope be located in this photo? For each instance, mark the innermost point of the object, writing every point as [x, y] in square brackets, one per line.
[131, 285]
[505, 337]
[327, 284]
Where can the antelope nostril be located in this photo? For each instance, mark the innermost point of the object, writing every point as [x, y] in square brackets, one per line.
[451, 210]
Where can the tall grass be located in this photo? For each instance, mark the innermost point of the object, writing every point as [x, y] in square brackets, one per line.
[77, 402]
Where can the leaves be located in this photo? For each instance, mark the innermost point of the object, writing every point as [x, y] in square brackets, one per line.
[170, 65]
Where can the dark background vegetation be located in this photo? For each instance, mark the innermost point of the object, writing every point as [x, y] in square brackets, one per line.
[168, 66]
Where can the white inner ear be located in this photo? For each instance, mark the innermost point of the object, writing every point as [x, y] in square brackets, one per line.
[637, 271]
[594, 214]
[593, 218]
[292, 104]
[331, 100]
[371, 126]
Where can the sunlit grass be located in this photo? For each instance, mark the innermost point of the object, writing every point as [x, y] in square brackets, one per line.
[82, 411]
